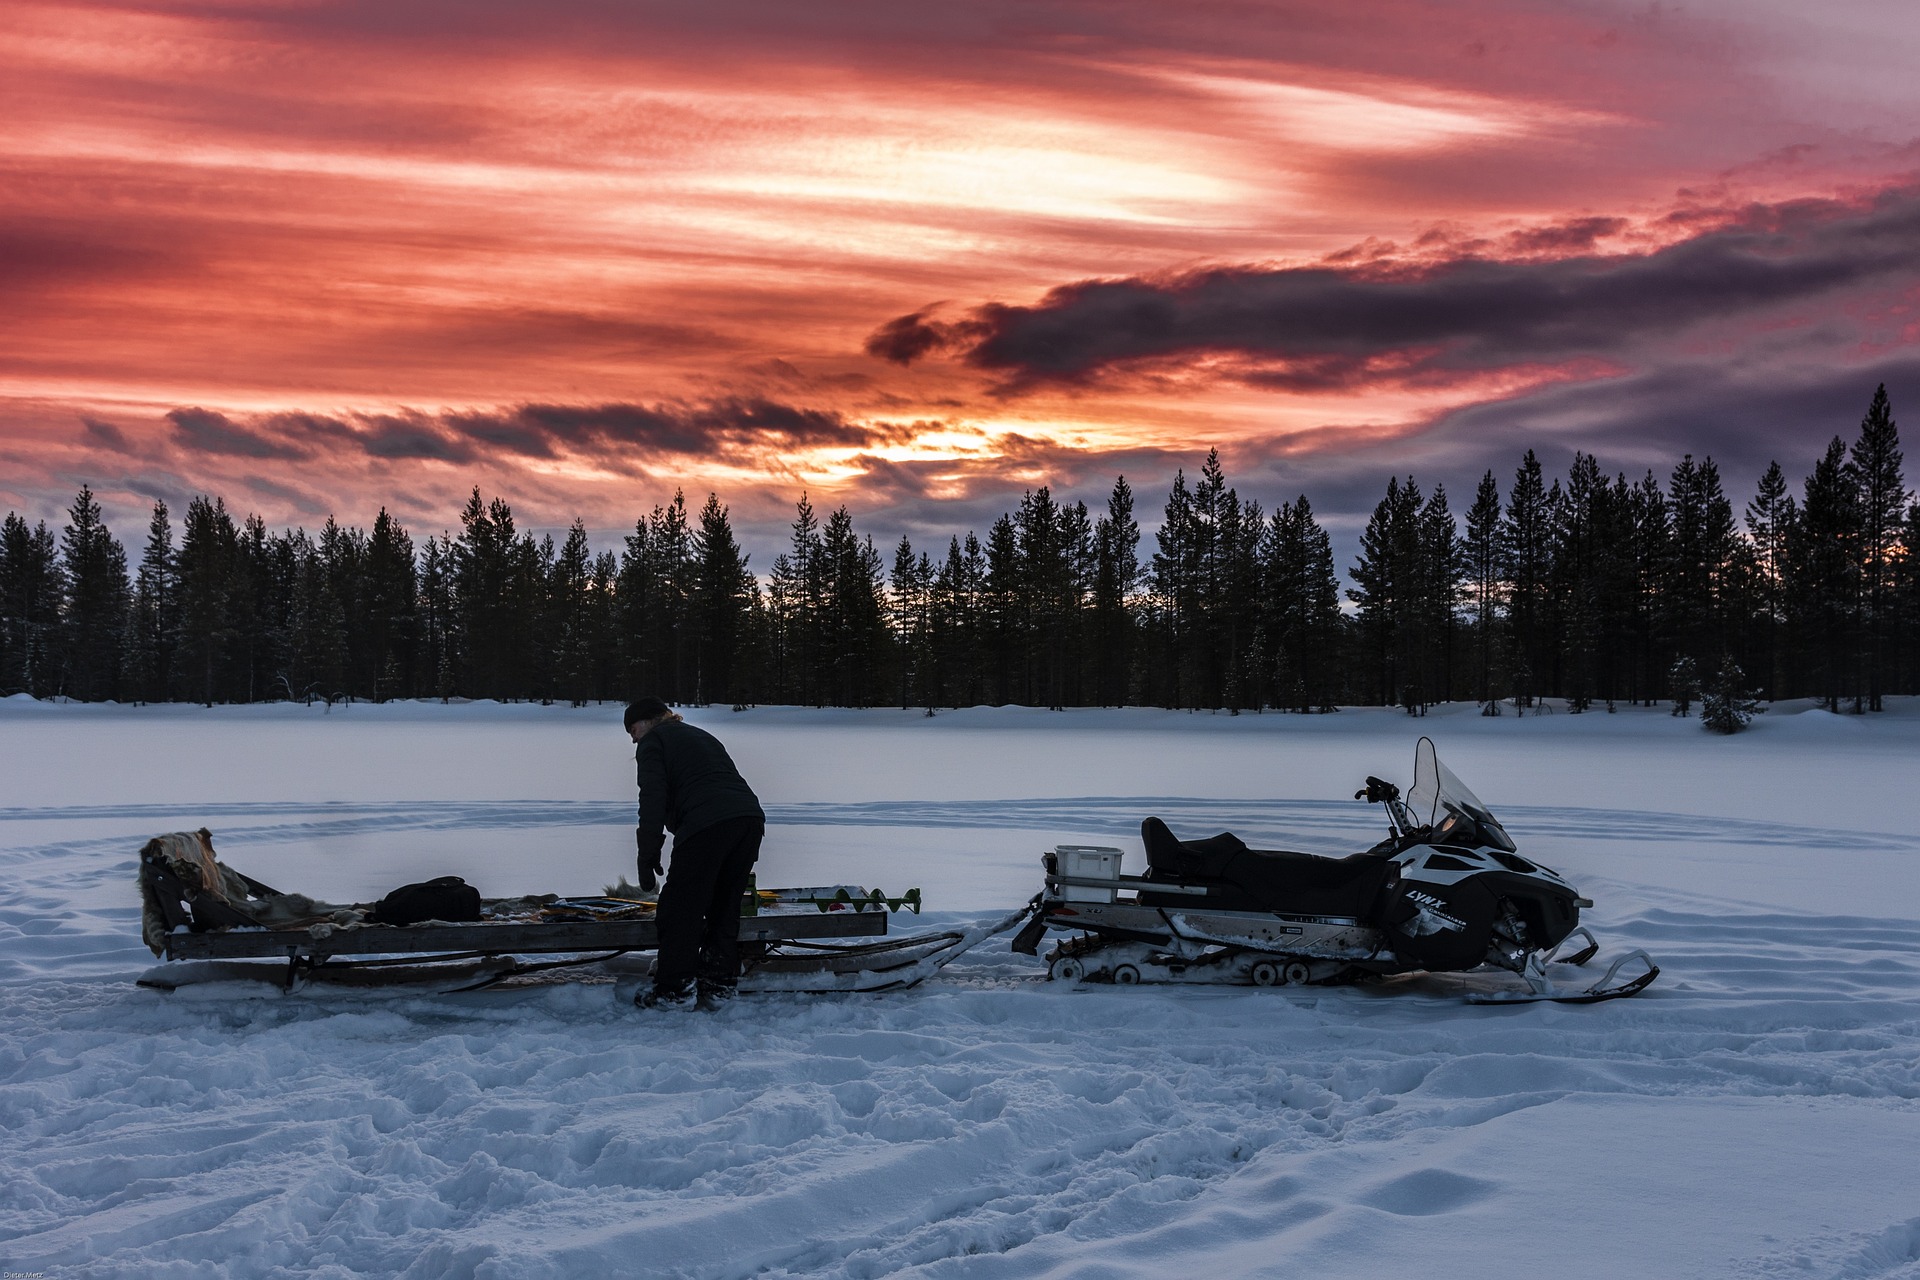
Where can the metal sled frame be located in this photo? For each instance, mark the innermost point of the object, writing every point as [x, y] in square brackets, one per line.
[449, 944]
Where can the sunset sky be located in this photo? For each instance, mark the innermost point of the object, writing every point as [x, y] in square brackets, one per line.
[319, 257]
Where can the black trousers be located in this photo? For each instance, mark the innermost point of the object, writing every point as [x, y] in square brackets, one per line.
[699, 911]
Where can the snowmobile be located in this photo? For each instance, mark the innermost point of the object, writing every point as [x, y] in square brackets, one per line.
[1447, 891]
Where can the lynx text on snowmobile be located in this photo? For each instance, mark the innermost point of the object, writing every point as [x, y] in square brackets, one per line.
[1446, 891]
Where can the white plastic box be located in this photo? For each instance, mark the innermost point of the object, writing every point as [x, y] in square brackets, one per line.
[1093, 861]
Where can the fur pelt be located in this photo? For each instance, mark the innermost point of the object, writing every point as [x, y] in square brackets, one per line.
[188, 856]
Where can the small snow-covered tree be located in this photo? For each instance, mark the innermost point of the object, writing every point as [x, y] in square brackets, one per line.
[1683, 685]
[1728, 706]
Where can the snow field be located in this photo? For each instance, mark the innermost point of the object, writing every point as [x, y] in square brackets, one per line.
[1754, 1114]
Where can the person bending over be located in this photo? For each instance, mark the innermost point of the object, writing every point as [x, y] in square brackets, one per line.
[689, 786]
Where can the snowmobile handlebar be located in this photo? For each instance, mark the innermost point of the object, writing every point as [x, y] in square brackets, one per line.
[1377, 791]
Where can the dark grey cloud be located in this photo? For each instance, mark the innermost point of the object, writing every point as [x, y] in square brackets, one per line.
[1343, 325]
[905, 339]
[411, 436]
[106, 434]
[734, 426]
[205, 431]
[618, 434]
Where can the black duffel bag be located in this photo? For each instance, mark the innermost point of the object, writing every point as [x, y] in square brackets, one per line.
[447, 898]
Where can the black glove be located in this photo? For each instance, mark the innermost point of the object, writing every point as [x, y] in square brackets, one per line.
[648, 853]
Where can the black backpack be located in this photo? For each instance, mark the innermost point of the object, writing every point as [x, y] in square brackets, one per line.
[447, 898]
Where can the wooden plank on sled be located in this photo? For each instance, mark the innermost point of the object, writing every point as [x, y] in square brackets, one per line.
[550, 937]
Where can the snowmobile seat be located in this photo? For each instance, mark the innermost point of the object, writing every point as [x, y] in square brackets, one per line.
[1243, 879]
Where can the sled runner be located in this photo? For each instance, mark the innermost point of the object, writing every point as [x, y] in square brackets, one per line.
[1446, 892]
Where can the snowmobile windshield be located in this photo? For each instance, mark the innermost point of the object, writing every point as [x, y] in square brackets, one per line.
[1445, 804]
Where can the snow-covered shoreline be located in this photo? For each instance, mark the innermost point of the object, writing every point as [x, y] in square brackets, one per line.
[1753, 1114]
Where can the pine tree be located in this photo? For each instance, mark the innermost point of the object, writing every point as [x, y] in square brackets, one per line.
[1906, 616]
[1696, 585]
[1003, 612]
[31, 598]
[1485, 564]
[855, 611]
[1526, 562]
[959, 588]
[1116, 574]
[439, 653]
[571, 624]
[797, 594]
[1883, 503]
[97, 601]
[912, 623]
[1390, 583]
[1770, 520]
[1823, 582]
[497, 585]
[208, 563]
[1576, 578]
[1301, 621]
[156, 611]
[388, 609]
[722, 597]
[1651, 558]
[255, 606]
[1175, 609]
[1442, 570]
[603, 591]
[343, 554]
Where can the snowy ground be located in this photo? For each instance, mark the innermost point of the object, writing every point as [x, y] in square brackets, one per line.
[1752, 1115]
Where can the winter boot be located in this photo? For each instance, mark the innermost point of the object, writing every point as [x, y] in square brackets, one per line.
[716, 995]
[678, 1001]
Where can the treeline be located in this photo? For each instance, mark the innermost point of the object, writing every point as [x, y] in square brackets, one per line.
[1588, 588]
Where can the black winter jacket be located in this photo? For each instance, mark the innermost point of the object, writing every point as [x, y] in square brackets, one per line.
[687, 783]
